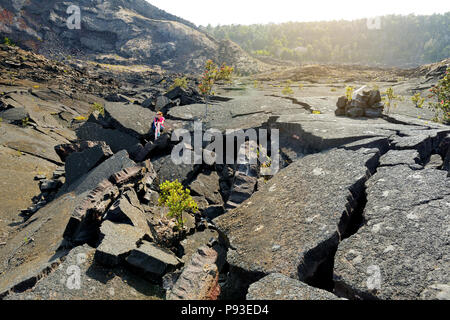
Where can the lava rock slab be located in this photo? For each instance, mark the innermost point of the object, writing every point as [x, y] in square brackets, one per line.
[402, 251]
[295, 220]
[279, 287]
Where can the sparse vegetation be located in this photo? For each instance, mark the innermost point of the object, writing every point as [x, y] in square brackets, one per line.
[179, 82]
[441, 95]
[390, 99]
[80, 118]
[257, 84]
[349, 92]
[418, 100]
[177, 199]
[265, 161]
[25, 122]
[287, 90]
[211, 75]
[8, 42]
[98, 107]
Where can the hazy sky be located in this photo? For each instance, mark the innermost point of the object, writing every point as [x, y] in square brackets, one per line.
[202, 12]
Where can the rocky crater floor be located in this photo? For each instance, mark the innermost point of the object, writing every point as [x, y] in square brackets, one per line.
[359, 210]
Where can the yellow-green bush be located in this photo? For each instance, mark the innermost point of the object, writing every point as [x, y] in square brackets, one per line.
[418, 100]
[441, 95]
[178, 200]
[349, 92]
[98, 107]
[179, 82]
[287, 90]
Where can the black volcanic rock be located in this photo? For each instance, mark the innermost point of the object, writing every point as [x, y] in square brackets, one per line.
[79, 163]
[401, 252]
[279, 287]
[14, 115]
[115, 139]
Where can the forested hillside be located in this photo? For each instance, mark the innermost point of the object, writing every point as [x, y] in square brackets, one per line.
[399, 40]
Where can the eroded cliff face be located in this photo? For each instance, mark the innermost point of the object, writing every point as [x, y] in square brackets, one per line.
[117, 32]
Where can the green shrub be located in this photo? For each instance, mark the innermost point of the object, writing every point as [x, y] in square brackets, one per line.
[98, 107]
[349, 92]
[287, 90]
[441, 93]
[418, 100]
[390, 99]
[178, 200]
[25, 122]
[179, 82]
[8, 42]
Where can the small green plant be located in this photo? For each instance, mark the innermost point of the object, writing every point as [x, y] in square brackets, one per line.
[257, 84]
[441, 95]
[179, 82]
[418, 100]
[25, 122]
[98, 107]
[300, 86]
[1, 120]
[178, 200]
[390, 99]
[349, 92]
[287, 90]
[8, 42]
[265, 161]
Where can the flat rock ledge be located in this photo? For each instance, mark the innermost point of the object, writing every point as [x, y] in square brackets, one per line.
[402, 251]
[279, 287]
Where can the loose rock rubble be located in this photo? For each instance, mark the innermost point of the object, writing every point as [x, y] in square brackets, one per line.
[363, 104]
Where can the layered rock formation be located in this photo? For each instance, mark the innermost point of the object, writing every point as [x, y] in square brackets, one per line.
[118, 32]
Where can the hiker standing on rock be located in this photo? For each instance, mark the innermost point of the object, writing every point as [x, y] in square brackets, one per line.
[158, 124]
